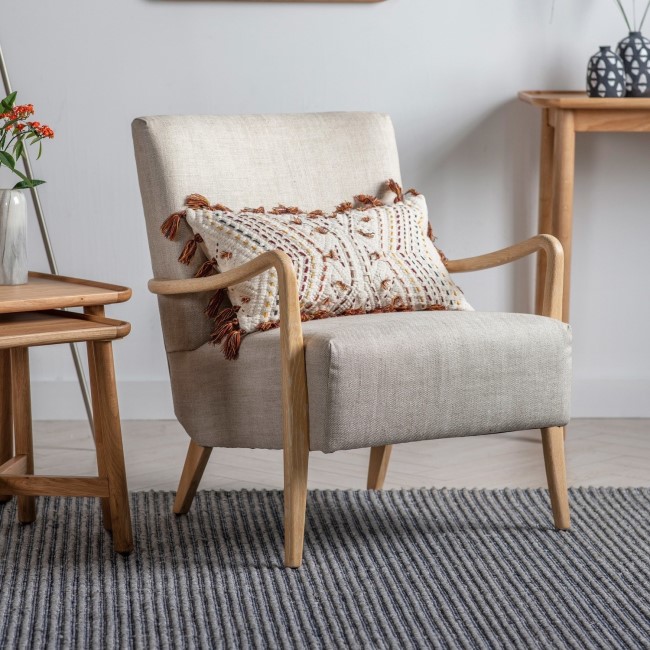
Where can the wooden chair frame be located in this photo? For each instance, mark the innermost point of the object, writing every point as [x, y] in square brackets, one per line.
[294, 383]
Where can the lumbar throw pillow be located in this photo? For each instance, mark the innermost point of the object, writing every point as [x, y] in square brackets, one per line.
[362, 258]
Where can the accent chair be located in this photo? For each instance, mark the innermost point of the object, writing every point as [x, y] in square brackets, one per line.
[339, 383]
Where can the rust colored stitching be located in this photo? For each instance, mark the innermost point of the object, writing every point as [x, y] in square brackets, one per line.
[316, 213]
[365, 219]
[218, 207]
[331, 256]
[245, 299]
[386, 283]
[321, 229]
[443, 257]
[412, 192]
[226, 255]
[259, 210]
[369, 235]
[297, 221]
[341, 285]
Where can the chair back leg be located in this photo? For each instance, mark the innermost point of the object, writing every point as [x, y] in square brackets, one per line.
[553, 445]
[195, 462]
[379, 457]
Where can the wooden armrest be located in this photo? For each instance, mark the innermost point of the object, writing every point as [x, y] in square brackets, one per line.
[273, 259]
[295, 412]
[554, 281]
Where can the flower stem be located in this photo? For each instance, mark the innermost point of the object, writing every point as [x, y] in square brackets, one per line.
[645, 13]
[627, 22]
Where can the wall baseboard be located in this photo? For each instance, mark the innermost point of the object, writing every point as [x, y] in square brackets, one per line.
[152, 400]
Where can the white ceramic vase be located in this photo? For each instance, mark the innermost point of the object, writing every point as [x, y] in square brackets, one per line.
[13, 237]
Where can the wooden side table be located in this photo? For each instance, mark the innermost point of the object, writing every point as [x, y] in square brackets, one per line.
[32, 315]
[565, 113]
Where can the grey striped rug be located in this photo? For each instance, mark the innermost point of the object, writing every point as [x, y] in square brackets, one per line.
[394, 569]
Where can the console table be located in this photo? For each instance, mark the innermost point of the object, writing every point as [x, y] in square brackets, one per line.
[32, 314]
[565, 113]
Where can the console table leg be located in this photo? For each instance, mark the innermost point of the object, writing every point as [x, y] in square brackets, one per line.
[563, 177]
[545, 226]
[22, 407]
[6, 413]
[108, 418]
[98, 437]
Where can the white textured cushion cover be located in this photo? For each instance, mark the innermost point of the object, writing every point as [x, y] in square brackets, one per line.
[368, 259]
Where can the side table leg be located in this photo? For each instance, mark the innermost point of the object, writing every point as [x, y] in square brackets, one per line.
[563, 177]
[6, 413]
[545, 226]
[97, 434]
[22, 405]
[107, 419]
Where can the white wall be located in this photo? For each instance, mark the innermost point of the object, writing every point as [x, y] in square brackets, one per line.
[447, 72]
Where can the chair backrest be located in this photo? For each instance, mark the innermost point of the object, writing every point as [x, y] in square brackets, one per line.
[314, 161]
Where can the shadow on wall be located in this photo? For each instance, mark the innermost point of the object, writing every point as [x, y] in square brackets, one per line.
[490, 166]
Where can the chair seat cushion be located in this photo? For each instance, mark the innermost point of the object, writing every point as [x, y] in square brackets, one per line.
[385, 379]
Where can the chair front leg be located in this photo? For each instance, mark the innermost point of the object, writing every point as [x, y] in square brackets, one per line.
[553, 445]
[379, 457]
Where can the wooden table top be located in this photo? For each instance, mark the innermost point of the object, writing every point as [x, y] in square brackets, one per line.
[579, 100]
[44, 291]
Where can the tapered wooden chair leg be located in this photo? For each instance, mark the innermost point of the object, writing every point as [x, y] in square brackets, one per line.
[379, 457]
[553, 445]
[108, 418]
[98, 434]
[195, 462]
[22, 407]
[6, 413]
[296, 462]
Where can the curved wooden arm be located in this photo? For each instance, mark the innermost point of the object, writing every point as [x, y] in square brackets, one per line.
[554, 281]
[295, 409]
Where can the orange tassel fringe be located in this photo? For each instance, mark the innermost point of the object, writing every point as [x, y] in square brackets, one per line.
[215, 303]
[189, 249]
[396, 188]
[206, 268]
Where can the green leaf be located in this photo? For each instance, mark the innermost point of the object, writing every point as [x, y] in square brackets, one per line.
[20, 174]
[9, 101]
[25, 185]
[40, 149]
[18, 149]
[7, 159]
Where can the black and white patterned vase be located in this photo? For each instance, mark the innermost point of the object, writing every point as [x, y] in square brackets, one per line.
[635, 52]
[606, 74]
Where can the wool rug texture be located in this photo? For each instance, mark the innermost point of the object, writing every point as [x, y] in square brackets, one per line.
[393, 569]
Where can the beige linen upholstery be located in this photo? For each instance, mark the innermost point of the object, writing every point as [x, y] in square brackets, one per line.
[314, 161]
[383, 379]
[373, 379]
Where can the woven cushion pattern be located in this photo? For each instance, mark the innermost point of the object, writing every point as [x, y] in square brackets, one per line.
[368, 259]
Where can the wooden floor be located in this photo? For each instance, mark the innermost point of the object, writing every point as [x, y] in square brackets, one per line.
[599, 453]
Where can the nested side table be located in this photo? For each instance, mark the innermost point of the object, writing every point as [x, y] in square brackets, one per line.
[565, 113]
[32, 315]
